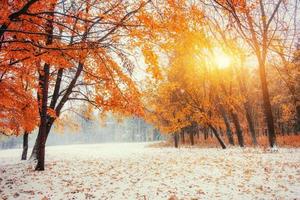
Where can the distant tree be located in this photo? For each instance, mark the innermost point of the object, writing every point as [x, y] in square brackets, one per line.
[258, 33]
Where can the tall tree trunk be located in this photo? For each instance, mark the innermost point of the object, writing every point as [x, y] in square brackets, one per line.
[227, 124]
[35, 149]
[205, 131]
[43, 125]
[247, 105]
[191, 133]
[182, 136]
[215, 132]
[267, 104]
[297, 119]
[175, 136]
[249, 118]
[44, 85]
[238, 128]
[192, 130]
[50, 120]
[25, 146]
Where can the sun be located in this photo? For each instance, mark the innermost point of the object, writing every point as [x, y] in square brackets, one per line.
[221, 59]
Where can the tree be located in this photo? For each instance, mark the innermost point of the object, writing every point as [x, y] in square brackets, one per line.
[186, 97]
[287, 72]
[25, 146]
[258, 32]
[228, 43]
[75, 50]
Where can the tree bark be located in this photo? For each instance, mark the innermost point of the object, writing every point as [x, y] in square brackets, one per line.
[192, 130]
[297, 119]
[44, 100]
[35, 150]
[215, 132]
[227, 124]
[247, 106]
[25, 146]
[205, 131]
[50, 120]
[43, 125]
[238, 129]
[267, 104]
[250, 122]
[182, 136]
[191, 133]
[175, 136]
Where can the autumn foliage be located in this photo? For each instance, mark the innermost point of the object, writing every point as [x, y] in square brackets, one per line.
[200, 61]
[207, 79]
[55, 55]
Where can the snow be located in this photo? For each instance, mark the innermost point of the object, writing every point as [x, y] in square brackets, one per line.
[136, 171]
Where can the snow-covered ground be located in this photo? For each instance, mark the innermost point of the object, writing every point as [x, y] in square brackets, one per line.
[134, 171]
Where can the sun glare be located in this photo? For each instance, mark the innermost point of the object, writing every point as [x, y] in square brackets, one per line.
[222, 60]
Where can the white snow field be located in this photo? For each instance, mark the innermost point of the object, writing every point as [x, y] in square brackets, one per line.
[135, 171]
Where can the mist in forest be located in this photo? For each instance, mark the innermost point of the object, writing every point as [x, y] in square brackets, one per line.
[92, 131]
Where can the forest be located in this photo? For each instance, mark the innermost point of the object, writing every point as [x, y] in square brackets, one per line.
[196, 74]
